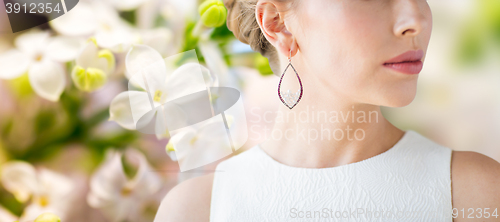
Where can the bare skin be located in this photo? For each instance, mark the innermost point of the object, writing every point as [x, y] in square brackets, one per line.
[339, 47]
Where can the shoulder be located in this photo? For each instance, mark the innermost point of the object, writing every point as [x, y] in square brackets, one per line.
[188, 201]
[475, 180]
[191, 199]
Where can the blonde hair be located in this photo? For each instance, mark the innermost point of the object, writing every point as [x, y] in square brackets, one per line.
[242, 22]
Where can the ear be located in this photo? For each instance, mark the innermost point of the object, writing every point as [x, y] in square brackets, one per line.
[271, 22]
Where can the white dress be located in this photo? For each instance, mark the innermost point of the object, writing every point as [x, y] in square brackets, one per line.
[409, 182]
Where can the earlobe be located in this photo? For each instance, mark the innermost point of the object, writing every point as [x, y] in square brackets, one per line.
[294, 48]
[289, 49]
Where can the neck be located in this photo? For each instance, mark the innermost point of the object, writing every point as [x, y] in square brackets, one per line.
[328, 131]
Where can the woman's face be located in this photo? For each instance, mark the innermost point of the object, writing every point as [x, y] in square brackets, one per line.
[343, 45]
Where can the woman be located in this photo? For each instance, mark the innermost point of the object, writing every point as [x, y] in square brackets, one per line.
[352, 56]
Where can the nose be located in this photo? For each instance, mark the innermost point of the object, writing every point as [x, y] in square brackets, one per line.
[411, 17]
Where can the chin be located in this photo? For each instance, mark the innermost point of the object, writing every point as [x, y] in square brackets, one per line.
[400, 100]
[400, 96]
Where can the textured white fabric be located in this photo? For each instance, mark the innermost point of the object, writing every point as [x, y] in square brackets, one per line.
[409, 182]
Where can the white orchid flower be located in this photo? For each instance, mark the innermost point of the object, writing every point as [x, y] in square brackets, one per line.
[79, 21]
[200, 144]
[40, 55]
[121, 38]
[101, 20]
[49, 191]
[92, 67]
[19, 178]
[156, 82]
[110, 30]
[6, 215]
[117, 196]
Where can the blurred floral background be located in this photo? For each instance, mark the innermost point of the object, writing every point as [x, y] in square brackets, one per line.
[67, 148]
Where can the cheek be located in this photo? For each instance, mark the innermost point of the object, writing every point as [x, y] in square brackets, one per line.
[340, 43]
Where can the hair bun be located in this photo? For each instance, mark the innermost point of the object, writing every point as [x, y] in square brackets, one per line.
[242, 22]
[233, 19]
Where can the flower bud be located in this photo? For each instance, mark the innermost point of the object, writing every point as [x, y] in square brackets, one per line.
[48, 217]
[213, 13]
[88, 80]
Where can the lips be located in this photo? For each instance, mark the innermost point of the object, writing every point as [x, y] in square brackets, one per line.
[408, 62]
[409, 56]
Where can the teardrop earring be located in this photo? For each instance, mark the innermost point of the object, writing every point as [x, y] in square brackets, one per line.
[290, 99]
